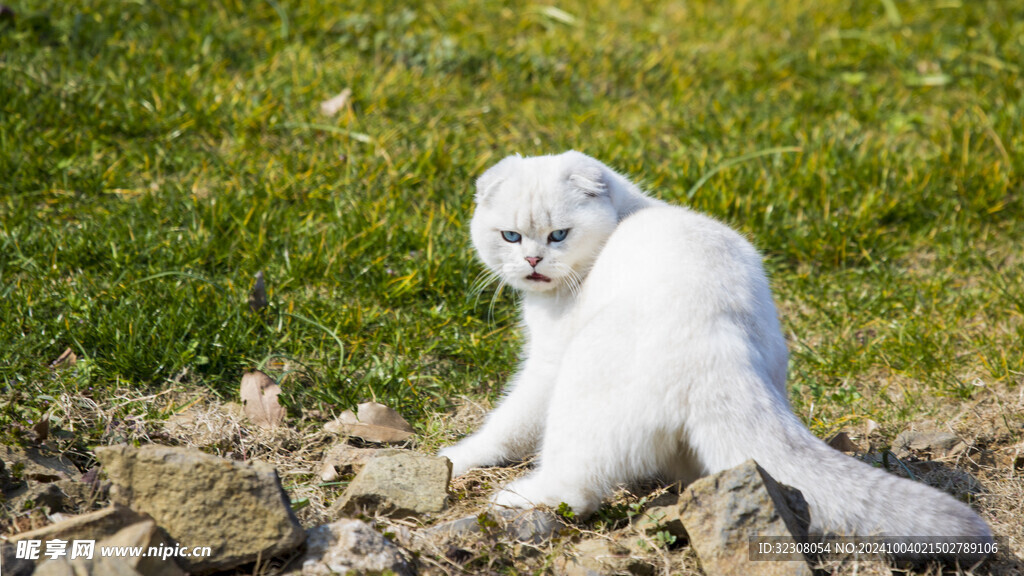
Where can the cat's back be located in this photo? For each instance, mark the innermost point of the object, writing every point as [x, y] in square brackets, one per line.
[674, 248]
[671, 279]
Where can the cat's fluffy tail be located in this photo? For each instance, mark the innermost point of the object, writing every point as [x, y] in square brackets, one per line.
[848, 497]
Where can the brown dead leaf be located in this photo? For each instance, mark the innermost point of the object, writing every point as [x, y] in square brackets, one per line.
[259, 399]
[843, 443]
[41, 430]
[372, 422]
[67, 358]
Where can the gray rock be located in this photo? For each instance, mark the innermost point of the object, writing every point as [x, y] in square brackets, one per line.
[398, 483]
[935, 443]
[722, 512]
[527, 526]
[237, 509]
[348, 546]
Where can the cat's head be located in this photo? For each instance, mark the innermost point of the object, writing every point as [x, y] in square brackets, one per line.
[541, 222]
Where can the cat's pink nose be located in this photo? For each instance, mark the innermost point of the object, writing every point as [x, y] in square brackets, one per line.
[533, 260]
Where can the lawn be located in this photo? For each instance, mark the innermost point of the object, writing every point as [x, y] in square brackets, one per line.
[154, 156]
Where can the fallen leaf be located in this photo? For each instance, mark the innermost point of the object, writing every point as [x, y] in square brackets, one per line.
[66, 358]
[258, 294]
[843, 443]
[334, 105]
[259, 399]
[372, 422]
[41, 430]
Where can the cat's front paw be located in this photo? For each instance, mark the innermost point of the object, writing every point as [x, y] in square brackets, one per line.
[518, 494]
[539, 490]
[460, 457]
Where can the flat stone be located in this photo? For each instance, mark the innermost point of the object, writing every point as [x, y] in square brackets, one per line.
[724, 511]
[351, 546]
[398, 483]
[238, 509]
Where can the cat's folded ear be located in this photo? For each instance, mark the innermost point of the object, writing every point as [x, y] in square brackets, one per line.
[585, 174]
[494, 176]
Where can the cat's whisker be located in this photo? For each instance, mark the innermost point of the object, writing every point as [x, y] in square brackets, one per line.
[572, 279]
[577, 283]
[494, 297]
[482, 281]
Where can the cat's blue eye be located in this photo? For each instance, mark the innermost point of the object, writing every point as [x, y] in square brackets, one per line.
[511, 236]
[558, 235]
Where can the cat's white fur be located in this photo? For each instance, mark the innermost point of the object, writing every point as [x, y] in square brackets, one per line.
[655, 351]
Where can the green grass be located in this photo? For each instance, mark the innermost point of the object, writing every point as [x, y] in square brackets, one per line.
[155, 155]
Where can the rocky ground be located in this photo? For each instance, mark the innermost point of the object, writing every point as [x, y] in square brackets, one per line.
[363, 494]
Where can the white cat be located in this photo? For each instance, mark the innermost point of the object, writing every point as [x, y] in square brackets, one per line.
[653, 350]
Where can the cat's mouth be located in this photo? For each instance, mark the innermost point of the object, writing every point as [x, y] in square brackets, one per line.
[538, 277]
